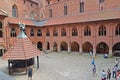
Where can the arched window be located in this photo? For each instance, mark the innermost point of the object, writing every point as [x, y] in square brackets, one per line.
[32, 32]
[87, 31]
[81, 6]
[13, 32]
[102, 31]
[117, 31]
[63, 32]
[74, 32]
[1, 33]
[14, 11]
[50, 12]
[55, 32]
[32, 15]
[39, 33]
[0, 25]
[47, 33]
[101, 1]
[65, 10]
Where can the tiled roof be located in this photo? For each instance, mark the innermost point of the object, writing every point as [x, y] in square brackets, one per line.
[3, 13]
[22, 49]
[83, 17]
[17, 20]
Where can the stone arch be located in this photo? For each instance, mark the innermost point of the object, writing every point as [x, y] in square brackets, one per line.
[64, 46]
[48, 46]
[75, 46]
[1, 25]
[86, 47]
[2, 50]
[1, 33]
[55, 47]
[116, 49]
[102, 48]
[39, 45]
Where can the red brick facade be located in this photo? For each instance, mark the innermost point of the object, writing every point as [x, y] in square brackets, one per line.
[76, 26]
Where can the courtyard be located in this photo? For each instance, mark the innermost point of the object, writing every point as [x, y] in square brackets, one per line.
[65, 66]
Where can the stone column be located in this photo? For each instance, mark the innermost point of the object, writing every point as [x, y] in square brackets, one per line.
[59, 49]
[69, 49]
[94, 53]
[110, 53]
[80, 50]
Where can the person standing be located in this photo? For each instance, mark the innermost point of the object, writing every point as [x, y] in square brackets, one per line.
[94, 70]
[30, 74]
[114, 70]
[116, 62]
[103, 75]
[93, 62]
[108, 74]
[91, 52]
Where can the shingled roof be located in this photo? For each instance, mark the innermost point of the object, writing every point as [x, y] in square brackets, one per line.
[22, 49]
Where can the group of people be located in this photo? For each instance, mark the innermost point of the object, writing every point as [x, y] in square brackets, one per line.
[115, 72]
[106, 75]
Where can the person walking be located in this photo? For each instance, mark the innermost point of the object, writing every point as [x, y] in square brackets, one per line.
[116, 62]
[93, 62]
[91, 52]
[29, 73]
[114, 70]
[103, 75]
[94, 70]
[108, 74]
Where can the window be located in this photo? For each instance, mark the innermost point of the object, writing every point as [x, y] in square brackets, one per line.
[63, 32]
[1, 33]
[102, 31]
[55, 32]
[39, 33]
[117, 31]
[65, 10]
[13, 32]
[47, 33]
[14, 11]
[101, 1]
[31, 4]
[31, 15]
[87, 31]
[24, 1]
[81, 7]
[32, 32]
[50, 12]
[48, 2]
[0, 25]
[74, 32]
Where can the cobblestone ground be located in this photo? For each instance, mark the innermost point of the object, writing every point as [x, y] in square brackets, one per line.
[65, 66]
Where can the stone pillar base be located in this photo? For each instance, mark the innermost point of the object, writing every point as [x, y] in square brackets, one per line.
[110, 54]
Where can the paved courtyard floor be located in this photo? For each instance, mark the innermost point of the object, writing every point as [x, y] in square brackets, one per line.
[65, 66]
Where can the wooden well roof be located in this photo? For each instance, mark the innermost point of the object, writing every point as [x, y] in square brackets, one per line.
[22, 49]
